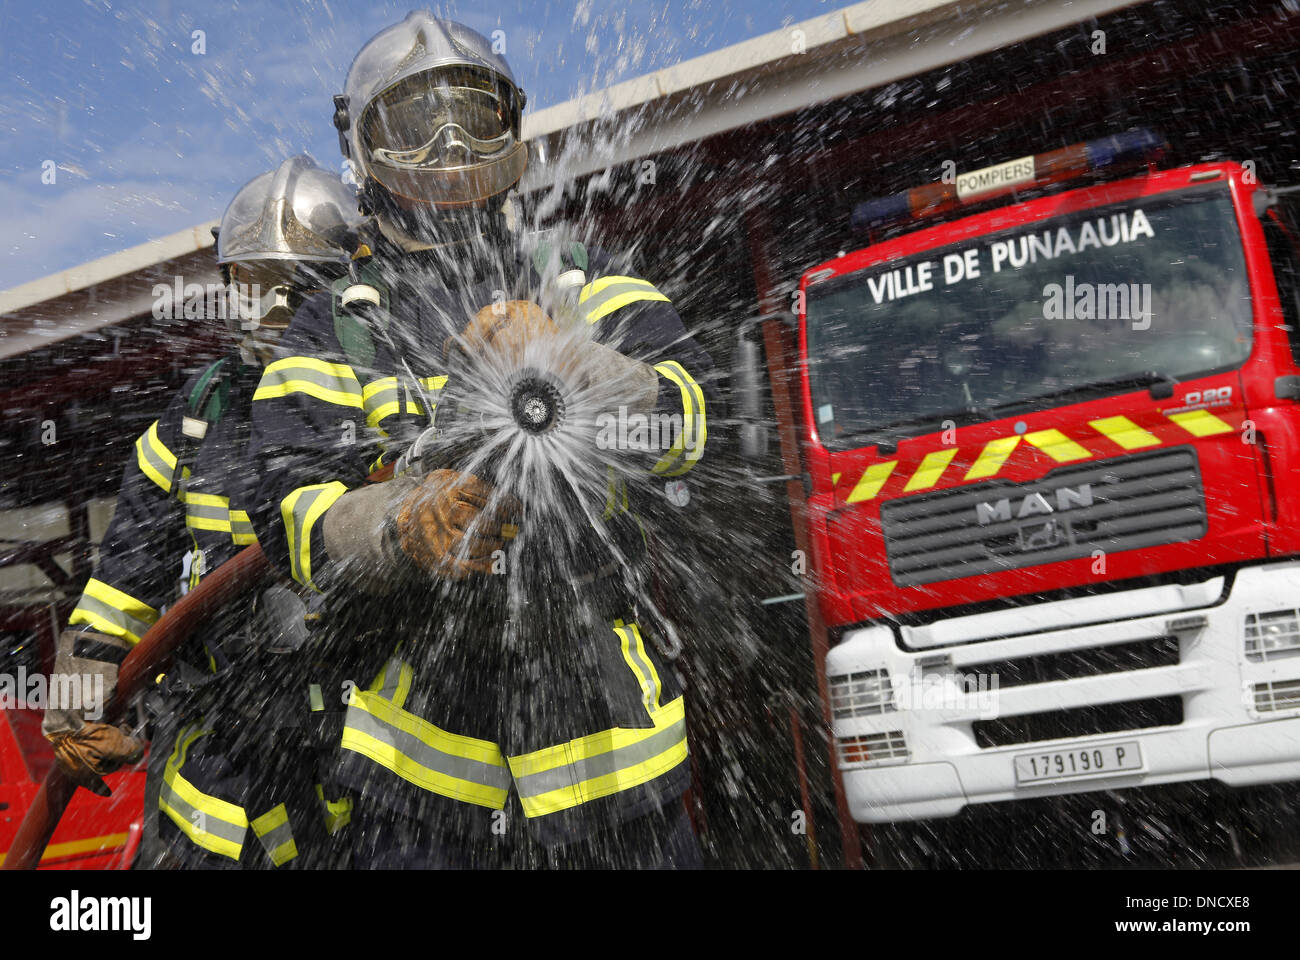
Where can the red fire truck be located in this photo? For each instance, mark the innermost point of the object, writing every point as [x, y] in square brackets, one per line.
[1052, 514]
[95, 833]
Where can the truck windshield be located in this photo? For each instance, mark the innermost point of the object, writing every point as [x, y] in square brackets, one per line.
[1090, 302]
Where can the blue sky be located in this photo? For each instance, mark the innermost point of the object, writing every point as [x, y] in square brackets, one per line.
[149, 137]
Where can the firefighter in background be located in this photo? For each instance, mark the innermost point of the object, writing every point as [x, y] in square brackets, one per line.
[515, 662]
[184, 495]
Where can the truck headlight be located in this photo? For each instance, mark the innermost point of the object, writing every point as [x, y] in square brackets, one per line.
[866, 693]
[1272, 634]
[869, 749]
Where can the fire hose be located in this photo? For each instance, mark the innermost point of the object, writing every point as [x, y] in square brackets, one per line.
[225, 584]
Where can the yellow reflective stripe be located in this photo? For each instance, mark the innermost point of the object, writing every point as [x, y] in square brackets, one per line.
[179, 799]
[605, 295]
[992, 457]
[241, 528]
[273, 830]
[374, 387]
[1200, 423]
[928, 473]
[154, 459]
[872, 479]
[394, 690]
[332, 382]
[379, 400]
[1124, 432]
[338, 813]
[57, 851]
[300, 510]
[207, 511]
[611, 493]
[569, 761]
[621, 301]
[634, 653]
[426, 744]
[600, 283]
[1057, 445]
[275, 817]
[113, 612]
[694, 422]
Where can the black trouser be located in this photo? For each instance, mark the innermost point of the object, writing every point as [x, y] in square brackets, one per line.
[661, 840]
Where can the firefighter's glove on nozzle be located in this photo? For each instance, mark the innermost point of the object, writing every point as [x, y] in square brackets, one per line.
[452, 523]
[85, 748]
[504, 328]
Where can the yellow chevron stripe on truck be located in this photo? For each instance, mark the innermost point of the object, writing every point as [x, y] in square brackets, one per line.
[1119, 430]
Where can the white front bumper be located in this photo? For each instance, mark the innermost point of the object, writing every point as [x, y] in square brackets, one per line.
[1222, 735]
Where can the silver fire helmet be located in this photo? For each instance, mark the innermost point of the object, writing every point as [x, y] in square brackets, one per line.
[432, 115]
[295, 216]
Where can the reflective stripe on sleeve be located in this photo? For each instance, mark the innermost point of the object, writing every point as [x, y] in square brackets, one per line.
[210, 511]
[462, 768]
[382, 398]
[273, 831]
[241, 528]
[642, 667]
[694, 423]
[605, 295]
[379, 399]
[300, 510]
[113, 612]
[569, 774]
[154, 459]
[209, 821]
[393, 682]
[338, 813]
[332, 382]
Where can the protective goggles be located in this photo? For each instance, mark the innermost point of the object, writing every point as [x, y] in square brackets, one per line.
[443, 139]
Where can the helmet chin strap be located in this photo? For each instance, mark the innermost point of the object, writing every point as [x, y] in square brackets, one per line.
[426, 227]
[257, 349]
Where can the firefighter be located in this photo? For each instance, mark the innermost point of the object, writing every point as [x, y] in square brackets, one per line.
[526, 677]
[184, 495]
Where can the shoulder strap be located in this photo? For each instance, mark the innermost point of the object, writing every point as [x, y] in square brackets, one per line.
[354, 337]
[211, 394]
[206, 403]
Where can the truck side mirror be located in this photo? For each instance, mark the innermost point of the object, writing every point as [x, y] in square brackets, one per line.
[747, 378]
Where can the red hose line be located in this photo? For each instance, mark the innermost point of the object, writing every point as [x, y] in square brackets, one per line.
[225, 584]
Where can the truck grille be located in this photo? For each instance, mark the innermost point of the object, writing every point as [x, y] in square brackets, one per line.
[1079, 722]
[1126, 503]
[1072, 664]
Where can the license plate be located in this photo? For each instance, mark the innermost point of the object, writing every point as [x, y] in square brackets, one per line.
[1103, 760]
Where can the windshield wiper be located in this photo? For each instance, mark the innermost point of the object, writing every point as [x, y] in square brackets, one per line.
[887, 435]
[1145, 378]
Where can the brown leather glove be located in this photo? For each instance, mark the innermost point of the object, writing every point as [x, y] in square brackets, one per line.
[445, 526]
[506, 328]
[93, 751]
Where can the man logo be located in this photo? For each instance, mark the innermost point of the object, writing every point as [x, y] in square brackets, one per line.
[1035, 504]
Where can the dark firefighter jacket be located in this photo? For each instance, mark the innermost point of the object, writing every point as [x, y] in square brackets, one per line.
[173, 523]
[543, 677]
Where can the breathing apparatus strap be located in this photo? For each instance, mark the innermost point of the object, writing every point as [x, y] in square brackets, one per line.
[206, 404]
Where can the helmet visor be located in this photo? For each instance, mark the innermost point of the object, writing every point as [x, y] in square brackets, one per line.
[443, 138]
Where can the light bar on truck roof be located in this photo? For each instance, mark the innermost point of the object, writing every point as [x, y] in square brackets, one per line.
[1133, 146]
